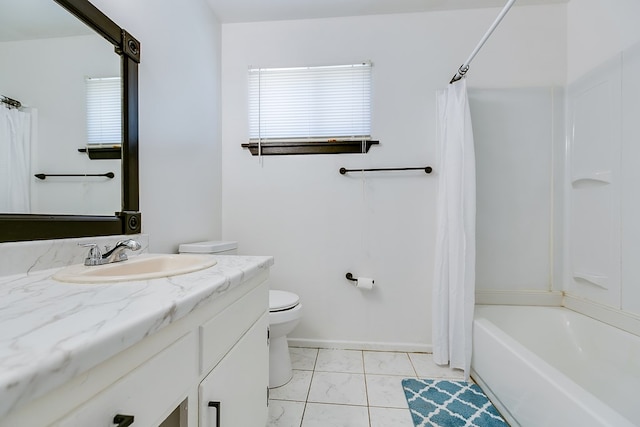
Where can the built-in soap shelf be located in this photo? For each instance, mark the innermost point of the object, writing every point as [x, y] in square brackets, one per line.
[596, 178]
[592, 279]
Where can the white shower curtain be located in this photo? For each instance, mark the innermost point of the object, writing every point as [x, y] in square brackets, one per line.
[454, 277]
[15, 160]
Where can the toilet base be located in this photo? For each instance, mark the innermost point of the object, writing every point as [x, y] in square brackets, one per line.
[280, 371]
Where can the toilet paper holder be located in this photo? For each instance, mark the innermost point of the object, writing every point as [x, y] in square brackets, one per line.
[349, 276]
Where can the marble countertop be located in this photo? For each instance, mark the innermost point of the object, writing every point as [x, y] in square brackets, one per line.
[52, 331]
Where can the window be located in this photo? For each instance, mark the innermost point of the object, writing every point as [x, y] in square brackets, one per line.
[325, 109]
[104, 118]
[104, 124]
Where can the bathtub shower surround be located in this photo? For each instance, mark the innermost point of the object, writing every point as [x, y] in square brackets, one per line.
[553, 366]
[601, 203]
[558, 225]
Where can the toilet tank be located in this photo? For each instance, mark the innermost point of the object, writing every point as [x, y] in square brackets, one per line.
[211, 247]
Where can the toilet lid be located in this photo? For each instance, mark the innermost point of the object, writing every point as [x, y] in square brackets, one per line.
[282, 300]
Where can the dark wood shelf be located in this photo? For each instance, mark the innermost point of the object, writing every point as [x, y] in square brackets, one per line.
[102, 153]
[311, 147]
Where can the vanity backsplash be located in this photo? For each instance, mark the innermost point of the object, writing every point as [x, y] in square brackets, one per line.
[35, 255]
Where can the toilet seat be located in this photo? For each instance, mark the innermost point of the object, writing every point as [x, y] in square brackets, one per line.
[282, 301]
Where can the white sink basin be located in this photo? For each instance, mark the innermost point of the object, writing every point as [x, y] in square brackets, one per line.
[141, 267]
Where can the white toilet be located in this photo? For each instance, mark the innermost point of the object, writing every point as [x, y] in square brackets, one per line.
[285, 312]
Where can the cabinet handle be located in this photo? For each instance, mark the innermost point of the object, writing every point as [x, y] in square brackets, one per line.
[123, 420]
[216, 405]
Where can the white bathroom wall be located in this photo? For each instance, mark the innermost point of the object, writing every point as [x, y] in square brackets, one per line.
[61, 123]
[321, 225]
[179, 75]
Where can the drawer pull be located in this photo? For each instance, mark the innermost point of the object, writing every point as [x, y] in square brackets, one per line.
[123, 420]
[217, 406]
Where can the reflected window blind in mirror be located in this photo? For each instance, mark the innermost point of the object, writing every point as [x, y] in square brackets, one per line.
[104, 118]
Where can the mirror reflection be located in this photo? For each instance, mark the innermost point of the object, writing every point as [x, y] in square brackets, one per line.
[49, 59]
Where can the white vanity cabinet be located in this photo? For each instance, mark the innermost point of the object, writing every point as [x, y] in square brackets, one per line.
[235, 392]
[144, 395]
[217, 352]
[236, 372]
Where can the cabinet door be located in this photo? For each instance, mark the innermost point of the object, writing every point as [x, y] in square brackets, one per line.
[148, 394]
[236, 389]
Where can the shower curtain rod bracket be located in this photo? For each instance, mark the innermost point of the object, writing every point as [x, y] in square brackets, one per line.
[460, 73]
[465, 66]
[10, 101]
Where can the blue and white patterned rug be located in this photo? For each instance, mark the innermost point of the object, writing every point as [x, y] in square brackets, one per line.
[445, 403]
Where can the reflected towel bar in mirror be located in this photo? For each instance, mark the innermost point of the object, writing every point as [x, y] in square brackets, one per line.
[45, 175]
[426, 169]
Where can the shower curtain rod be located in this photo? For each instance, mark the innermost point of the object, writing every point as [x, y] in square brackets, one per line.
[10, 102]
[465, 67]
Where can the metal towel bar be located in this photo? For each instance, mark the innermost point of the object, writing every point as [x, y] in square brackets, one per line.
[426, 169]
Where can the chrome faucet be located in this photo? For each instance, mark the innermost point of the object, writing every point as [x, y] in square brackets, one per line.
[117, 253]
[95, 257]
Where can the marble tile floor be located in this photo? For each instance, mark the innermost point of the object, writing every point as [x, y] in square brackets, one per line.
[349, 388]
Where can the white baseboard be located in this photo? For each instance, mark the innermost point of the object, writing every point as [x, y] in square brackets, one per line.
[501, 297]
[360, 345]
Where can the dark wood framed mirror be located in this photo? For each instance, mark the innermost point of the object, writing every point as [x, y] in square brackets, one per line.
[21, 227]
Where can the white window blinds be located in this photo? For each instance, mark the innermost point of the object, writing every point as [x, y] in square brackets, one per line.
[310, 103]
[104, 123]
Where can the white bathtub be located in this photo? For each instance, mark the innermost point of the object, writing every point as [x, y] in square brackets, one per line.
[550, 366]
